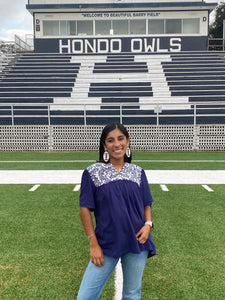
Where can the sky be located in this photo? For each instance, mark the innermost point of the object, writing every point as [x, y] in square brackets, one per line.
[15, 19]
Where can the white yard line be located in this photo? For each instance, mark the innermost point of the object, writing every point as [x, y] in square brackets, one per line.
[74, 177]
[186, 176]
[118, 281]
[41, 177]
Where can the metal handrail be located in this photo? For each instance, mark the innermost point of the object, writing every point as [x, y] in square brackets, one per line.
[218, 44]
[21, 44]
[155, 108]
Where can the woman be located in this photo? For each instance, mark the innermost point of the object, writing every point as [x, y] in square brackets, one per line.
[118, 193]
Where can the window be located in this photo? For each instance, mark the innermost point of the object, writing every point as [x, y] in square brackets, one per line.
[173, 26]
[191, 25]
[120, 26]
[137, 26]
[156, 26]
[84, 27]
[63, 28]
[59, 28]
[50, 27]
[72, 28]
[102, 27]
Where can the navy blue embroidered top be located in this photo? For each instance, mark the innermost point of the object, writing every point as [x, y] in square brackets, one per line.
[118, 201]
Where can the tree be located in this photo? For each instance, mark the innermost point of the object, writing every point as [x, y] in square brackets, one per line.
[216, 28]
[7, 48]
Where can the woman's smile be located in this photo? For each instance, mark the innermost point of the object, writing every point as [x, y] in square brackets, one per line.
[118, 150]
[116, 144]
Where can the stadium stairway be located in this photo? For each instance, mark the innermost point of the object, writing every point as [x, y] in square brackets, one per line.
[38, 89]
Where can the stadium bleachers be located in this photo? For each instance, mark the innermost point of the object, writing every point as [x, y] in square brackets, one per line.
[62, 89]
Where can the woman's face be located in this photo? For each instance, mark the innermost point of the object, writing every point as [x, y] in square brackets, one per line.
[116, 144]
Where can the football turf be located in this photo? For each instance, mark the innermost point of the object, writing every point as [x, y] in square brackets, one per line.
[44, 251]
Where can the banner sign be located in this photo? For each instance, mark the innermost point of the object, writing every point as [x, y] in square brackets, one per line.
[117, 45]
[123, 15]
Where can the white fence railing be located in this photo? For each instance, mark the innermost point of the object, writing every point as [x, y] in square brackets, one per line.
[153, 113]
[159, 136]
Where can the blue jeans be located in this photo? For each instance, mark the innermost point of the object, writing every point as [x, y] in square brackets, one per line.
[96, 277]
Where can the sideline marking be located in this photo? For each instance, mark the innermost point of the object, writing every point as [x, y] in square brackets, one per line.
[44, 161]
[207, 188]
[134, 160]
[74, 176]
[34, 188]
[186, 176]
[176, 161]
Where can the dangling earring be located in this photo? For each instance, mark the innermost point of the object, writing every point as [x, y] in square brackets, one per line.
[128, 152]
[106, 156]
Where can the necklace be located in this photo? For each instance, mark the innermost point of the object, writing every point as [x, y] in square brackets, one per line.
[118, 169]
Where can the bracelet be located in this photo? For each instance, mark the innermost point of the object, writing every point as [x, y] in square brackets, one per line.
[90, 236]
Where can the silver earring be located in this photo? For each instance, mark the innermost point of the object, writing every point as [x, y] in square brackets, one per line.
[106, 156]
[128, 152]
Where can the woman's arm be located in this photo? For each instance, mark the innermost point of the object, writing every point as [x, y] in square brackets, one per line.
[148, 214]
[96, 253]
[143, 233]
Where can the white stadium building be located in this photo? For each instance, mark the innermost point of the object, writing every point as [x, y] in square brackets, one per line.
[120, 26]
[142, 63]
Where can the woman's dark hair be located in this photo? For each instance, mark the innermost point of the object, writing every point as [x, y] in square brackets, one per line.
[108, 128]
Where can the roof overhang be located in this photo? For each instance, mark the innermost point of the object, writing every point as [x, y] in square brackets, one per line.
[164, 6]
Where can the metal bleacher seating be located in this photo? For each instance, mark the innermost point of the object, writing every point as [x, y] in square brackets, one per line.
[34, 79]
[62, 89]
[201, 78]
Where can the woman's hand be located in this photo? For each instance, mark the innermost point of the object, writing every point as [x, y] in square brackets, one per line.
[96, 253]
[143, 233]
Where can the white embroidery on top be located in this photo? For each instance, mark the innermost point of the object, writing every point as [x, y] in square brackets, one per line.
[102, 173]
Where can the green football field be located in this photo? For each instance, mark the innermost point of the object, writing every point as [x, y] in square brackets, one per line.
[44, 251]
